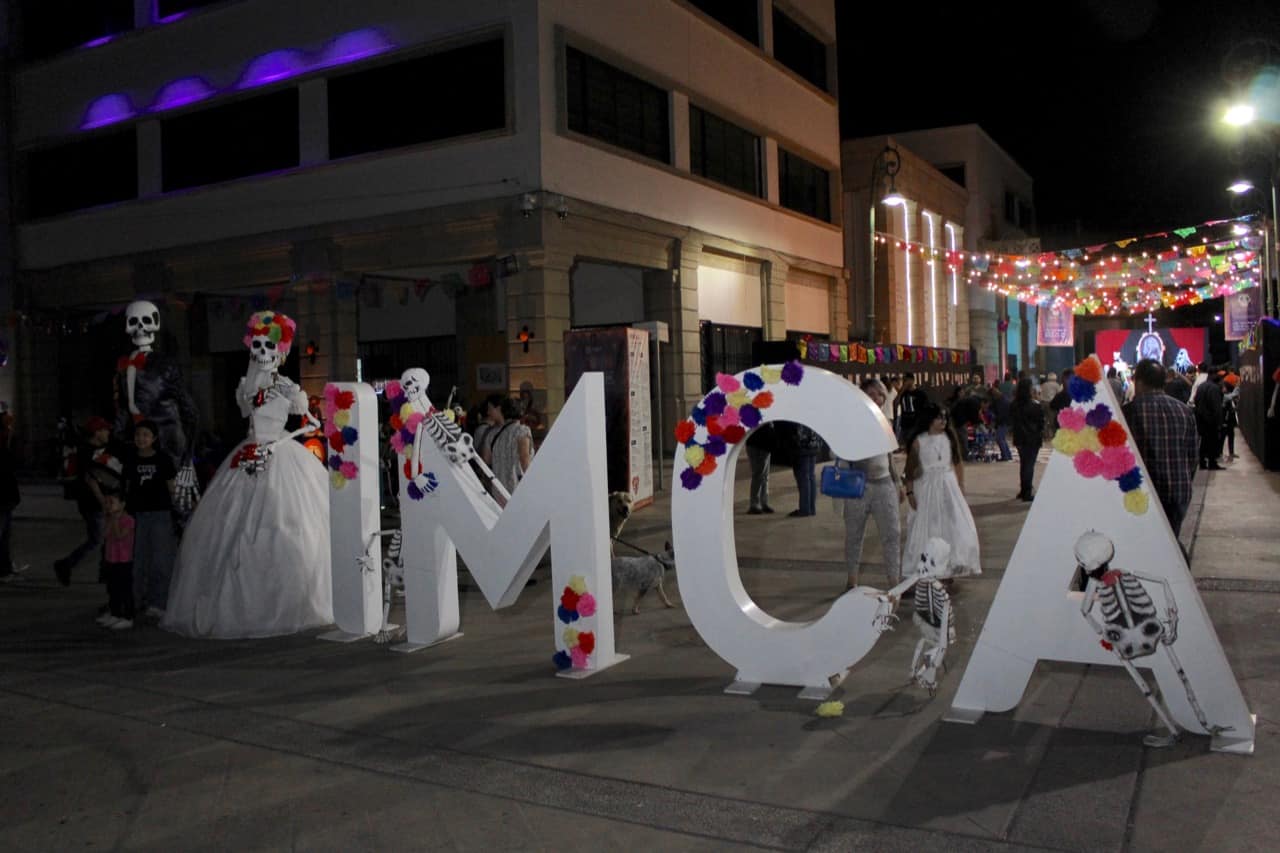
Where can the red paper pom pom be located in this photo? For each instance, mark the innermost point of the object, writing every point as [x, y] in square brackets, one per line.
[707, 466]
[586, 641]
[569, 599]
[335, 442]
[396, 423]
[713, 426]
[1089, 370]
[344, 400]
[1112, 435]
[734, 434]
[685, 431]
[763, 400]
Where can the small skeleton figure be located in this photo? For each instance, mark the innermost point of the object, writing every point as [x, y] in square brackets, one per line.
[447, 435]
[933, 613]
[392, 580]
[1131, 626]
[150, 386]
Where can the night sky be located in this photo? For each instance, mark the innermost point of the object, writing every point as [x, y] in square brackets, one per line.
[1112, 106]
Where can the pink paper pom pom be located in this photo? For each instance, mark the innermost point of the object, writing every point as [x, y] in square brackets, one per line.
[1116, 462]
[330, 409]
[392, 389]
[729, 417]
[586, 604]
[579, 658]
[1072, 419]
[1088, 463]
[414, 420]
[331, 392]
[726, 383]
[396, 443]
[349, 470]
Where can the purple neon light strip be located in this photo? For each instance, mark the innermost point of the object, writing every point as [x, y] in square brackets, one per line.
[108, 109]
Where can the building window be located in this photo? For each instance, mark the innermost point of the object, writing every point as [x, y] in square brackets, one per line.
[52, 26]
[98, 170]
[738, 15]
[1017, 211]
[799, 50]
[613, 106]
[249, 137]
[441, 96]
[803, 187]
[954, 173]
[723, 152]
[169, 9]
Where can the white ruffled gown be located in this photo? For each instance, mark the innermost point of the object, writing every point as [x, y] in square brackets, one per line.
[254, 560]
[941, 511]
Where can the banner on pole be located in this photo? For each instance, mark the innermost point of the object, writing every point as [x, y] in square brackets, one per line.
[1056, 326]
[1241, 312]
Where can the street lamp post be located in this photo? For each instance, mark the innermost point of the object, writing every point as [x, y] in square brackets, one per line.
[1245, 115]
[886, 165]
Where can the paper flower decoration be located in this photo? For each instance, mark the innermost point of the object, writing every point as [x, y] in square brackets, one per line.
[340, 435]
[576, 602]
[830, 709]
[1087, 463]
[1089, 370]
[1096, 441]
[1136, 502]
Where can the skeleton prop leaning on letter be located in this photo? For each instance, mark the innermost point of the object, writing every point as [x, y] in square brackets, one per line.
[150, 386]
[932, 616]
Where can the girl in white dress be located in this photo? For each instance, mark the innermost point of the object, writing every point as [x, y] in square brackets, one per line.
[254, 560]
[935, 490]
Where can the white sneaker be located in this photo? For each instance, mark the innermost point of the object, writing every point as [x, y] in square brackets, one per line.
[105, 619]
[121, 625]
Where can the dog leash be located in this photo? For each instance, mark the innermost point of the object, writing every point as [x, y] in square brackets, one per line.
[633, 547]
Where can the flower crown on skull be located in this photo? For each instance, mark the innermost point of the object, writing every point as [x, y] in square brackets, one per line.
[274, 325]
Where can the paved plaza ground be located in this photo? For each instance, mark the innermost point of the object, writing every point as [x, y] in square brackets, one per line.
[143, 740]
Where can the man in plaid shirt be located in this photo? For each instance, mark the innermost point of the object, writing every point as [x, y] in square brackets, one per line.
[1164, 430]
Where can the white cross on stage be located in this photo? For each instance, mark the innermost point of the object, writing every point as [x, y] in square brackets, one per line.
[1151, 322]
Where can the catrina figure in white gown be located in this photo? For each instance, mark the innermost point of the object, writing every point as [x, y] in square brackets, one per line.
[254, 560]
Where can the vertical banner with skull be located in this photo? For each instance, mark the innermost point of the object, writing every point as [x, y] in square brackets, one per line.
[1098, 577]
[351, 437]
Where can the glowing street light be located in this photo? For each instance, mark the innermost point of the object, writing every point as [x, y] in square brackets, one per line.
[886, 165]
[1240, 187]
[1238, 115]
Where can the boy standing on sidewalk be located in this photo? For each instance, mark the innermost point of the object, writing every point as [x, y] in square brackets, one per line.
[117, 563]
[149, 480]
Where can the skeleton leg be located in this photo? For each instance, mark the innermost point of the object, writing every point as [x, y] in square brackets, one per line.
[1151, 739]
[1191, 695]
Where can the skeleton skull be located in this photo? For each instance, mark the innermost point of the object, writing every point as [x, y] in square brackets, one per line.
[414, 381]
[1093, 551]
[265, 353]
[142, 321]
[934, 560]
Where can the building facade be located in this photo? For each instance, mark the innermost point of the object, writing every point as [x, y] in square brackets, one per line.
[999, 216]
[451, 184]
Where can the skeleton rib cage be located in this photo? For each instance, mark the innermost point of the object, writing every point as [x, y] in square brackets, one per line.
[1127, 604]
[931, 600]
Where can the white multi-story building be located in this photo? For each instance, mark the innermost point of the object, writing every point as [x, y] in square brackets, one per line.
[449, 183]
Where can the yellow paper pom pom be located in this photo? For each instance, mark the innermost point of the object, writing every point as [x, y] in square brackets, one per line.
[694, 456]
[771, 375]
[1088, 440]
[831, 709]
[336, 479]
[578, 584]
[405, 411]
[737, 398]
[1136, 502]
[449, 415]
[342, 418]
[1066, 441]
[570, 637]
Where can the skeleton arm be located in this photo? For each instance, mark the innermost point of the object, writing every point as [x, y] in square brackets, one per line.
[1170, 608]
[130, 380]
[1086, 608]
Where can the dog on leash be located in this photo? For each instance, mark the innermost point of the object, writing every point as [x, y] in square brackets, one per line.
[619, 512]
[642, 574]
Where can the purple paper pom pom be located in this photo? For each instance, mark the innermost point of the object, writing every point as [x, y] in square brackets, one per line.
[690, 479]
[562, 660]
[1131, 479]
[750, 416]
[1081, 390]
[699, 416]
[406, 435]
[350, 435]
[792, 373]
[397, 402]
[415, 494]
[335, 462]
[566, 616]
[1099, 416]
[752, 381]
[714, 403]
[715, 446]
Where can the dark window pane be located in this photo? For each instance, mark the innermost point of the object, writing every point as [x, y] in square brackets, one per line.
[799, 50]
[615, 107]
[52, 26]
[89, 172]
[243, 138]
[723, 152]
[169, 8]
[803, 187]
[955, 173]
[441, 96]
[737, 15]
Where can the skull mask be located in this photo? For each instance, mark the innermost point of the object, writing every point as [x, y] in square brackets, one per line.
[265, 353]
[414, 381]
[142, 321]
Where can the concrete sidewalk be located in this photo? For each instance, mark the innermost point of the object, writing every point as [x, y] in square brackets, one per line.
[146, 741]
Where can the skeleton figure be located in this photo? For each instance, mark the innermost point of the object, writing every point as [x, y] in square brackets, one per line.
[269, 339]
[447, 435]
[150, 386]
[933, 612]
[1131, 626]
[392, 580]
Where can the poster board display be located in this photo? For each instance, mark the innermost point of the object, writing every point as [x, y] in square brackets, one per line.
[1055, 326]
[1179, 348]
[1240, 313]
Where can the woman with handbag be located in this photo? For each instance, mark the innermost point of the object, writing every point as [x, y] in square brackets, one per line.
[935, 490]
[881, 495]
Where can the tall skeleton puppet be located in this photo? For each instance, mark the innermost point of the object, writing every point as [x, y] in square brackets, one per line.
[269, 339]
[441, 428]
[149, 386]
[1131, 626]
[932, 616]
